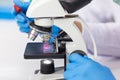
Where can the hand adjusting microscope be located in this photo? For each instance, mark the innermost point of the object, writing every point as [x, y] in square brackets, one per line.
[47, 13]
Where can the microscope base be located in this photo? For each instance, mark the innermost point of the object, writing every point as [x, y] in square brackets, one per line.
[58, 75]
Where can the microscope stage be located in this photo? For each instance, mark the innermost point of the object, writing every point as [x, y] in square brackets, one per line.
[35, 51]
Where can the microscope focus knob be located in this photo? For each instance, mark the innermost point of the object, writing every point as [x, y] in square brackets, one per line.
[47, 66]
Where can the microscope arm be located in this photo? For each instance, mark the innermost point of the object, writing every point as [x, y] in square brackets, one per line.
[67, 25]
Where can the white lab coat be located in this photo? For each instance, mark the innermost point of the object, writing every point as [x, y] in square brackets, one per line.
[103, 20]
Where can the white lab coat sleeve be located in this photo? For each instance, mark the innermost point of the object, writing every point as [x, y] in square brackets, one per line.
[107, 38]
[104, 23]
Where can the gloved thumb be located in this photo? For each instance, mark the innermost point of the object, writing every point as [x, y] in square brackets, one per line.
[77, 58]
[23, 5]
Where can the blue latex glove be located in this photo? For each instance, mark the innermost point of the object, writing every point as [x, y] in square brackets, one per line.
[23, 23]
[21, 20]
[54, 33]
[84, 68]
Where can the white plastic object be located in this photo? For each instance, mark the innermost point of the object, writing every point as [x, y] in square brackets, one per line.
[45, 8]
[46, 22]
[92, 38]
[67, 25]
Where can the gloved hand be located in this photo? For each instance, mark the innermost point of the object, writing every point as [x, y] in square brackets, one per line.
[54, 33]
[21, 20]
[84, 68]
[23, 23]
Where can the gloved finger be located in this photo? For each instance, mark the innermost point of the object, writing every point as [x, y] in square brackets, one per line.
[51, 39]
[14, 12]
[23, 25]
[77, 58]
[76, 77]
[107, 70]
[26, 30]
[20, 18]
[22, 4]
[79, 70]
[71, 66]
[55, 31]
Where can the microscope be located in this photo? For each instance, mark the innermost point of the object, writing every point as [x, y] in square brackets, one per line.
[47, 13]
